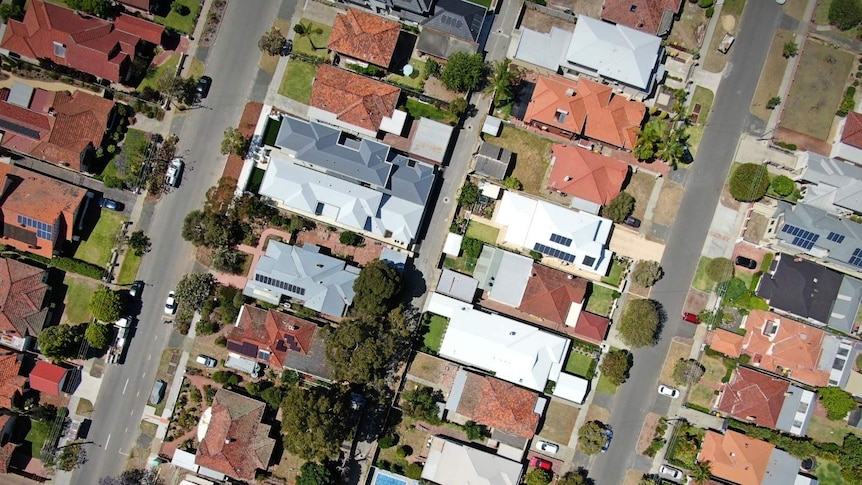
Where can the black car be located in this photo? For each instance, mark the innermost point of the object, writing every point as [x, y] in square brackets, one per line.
[136, 289]
[746, 262]
[110, 204]
[203, 87]
[632, 221]
[287, 48]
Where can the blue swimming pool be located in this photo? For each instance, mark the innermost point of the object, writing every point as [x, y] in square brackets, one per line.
[387, 480]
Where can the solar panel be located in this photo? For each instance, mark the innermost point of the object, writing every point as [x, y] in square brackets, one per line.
[856, 259]
[7, 125]
[291, 342]
[565, 241]
[835, 237]
[787, 228]
[804, 239]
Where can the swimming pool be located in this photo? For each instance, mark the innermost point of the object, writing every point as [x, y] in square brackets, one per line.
[387, 480]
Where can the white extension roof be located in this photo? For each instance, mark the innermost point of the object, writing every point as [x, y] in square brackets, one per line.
[453, 463]
[571, 388]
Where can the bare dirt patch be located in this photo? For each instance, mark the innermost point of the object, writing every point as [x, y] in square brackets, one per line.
[541, 22]
[802, 141]
[679, 349]
[640, 187]
[728, 22]
[695, 301]
[727, 200]
[647, 432]
[559, 422]
[685, 31]
[598, 413]
[756, 228]
[268, 63]
[435, 89]
[668, 203]
[633, 477]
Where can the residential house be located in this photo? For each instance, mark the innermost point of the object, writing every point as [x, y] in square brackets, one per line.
[512, 413]
[503, 275]
[353, 183]
[814, 293]
[7, 446]
[24, 305]
[364, 38]
[80, 41]
[302, 274]
[832, 185]
[849, 146]
[591, 327]
[454, 26]
[591, 179]
[233, 440]
[768, 401]
[492, 161]
[725, 342]
[625, 57]
[280, 341]
[584, 109]
[513, 351]
[736, 458]
[544, 49]
[59, 127]
[572, 237]
[354, 102]
[13, 385]
[553, 296]
[48, 378]
[457, 285]
[650, 16]
[39, 213]
[452, 463]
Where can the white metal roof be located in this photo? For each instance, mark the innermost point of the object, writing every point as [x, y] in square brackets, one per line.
[571, 388]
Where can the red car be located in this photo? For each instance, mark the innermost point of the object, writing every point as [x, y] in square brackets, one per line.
[691, 318]
[540, 463]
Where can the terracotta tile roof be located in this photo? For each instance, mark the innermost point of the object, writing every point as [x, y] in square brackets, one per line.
[795, 347]
[592, 328]
[643, 15]
[365, 36]
[11, 382]
[728, 343]
[585, 174]
[144, 29]
[46, 377]
[587, 108]
[736, 457]
[852, 133]
[236, 443]
[500, 405]
[23, 293]
[7, 448]
[354, 99]
[550, 293]
[138, 4]
[277, 333]
[753, 396]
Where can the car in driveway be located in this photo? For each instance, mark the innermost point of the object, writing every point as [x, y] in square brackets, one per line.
[537, 462]
[549, 448]
[110, 204]
[691, 318]
[668, 391]
[206, 361]
[671, 472]
[609, 435]
[745, 262]
[136, 289]
[171, 304]
[632, 221]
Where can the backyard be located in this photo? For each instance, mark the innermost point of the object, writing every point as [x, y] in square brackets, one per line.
[827, 431]
[314, 43]
[462, 264]
[79, 291]
[296, 83]
[579, 364]
[817, 90]
[184, 24]
[771, 75]
[600, 300]
[828, 473]
[418, 109]
[482, 232]
[434, 335]
[702, 97]
[97, 248]
[414, 81]
[531, 156]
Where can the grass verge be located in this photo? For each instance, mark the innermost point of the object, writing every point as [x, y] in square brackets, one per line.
[129, 268]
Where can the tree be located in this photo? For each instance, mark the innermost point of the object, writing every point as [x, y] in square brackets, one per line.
[845, 14]
[639, 323]
[234, 143]
[375, 289]
[671, 147]
[457, 107]
[469, 194]
[193, 227]
[137, 476]
[719, 270]
[99, 8]
[228, 260]
[106, 304]
[577, 477]
[502, 82]
[773, 102]
[838, 402]
[272, 42]
[783, 185]
[648, 139]
[97, 335]
[472, 247]
[475, 431]
[850, 459]
[357, 352]
[315, 422]
[790, 49]
[620, 207]
[312, 473]
[615, 366]
[71, 456]
[60, 341]
[307, 30]
[687, 372]
[139, 242]
[538, 476]
[350, 238]
[591, 437]
[647, 273]
[701, 472]
[749, 182]
[512, 183]
[463, 72]
[11, 11]
[421, 403]
[432, 67]
[193, 289]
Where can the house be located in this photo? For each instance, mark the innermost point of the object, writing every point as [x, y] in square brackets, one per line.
[832, 185]
[513, 351]
[457, 285]
[39, 213]
[12, 384]
[60, 127]
[553, 295]
[24, 303]
[452, 463]
[353, 183]
[280, 341]
[546, 50]
[492, 161]
[80, 41]
[7, 435]
[233, 440]
[364, 38]
[572, 237]
[430, 140]
[48, 378]
[814, 293]
[303, 274]
[590, 177]
[503, 274]
[739, 459]
[453, 26]
[615, 54]
[768, 401]
[726, 342]
[591, 327]
[649, 16]
[354, 102]
[511, 412]
[849, 146]
[571, 388]
[584, 109]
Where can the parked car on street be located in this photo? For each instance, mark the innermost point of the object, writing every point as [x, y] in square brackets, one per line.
[203, 87]
[547, 447]
[175, 170]
[609, 435]
[136, 289]
[540, 463]
[691, 318]
[171, 304]
[668, 391]
[158, 392]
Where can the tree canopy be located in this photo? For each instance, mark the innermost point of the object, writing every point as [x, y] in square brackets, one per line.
[838, 402]
[99, 8]
[615, 366]
[315, 421]
[577, 477]
[359, 351]
[538, 476]
[193, 289]
[312, 473]
[647, 273]
[137, 476]
[272, 42]
[783, 185]
[749, 182]
[687, 372]
[11, 11]
[469, 194]
[375, 290]
[61, 341]
[421, 403]
[106, 304]
[620, 207]
[139, 242]
[97, 335]
[463, 72]
[502, 81]
[845, 14]
[591, 437]
[234, 143]
[639, 323]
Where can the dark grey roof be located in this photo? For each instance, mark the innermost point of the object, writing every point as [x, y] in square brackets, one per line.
[415, 6]
[842, 238]
[314, 362]
[801, 288]
[439, 44]
[458, 18]
[335, 152]
[410, 180]
[492, 161]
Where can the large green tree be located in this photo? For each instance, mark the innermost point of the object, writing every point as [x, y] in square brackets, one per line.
[719, 270]
[469, 194]
[619, 207]
[538, 476]
[375, 290]
[850, 458]
[502, 81]
[421, 403]
[577, 477]
[463, 72]
[749, 182]
[845, 14]
[97, 335]
[591, 437]
[615, 366]
[312, 473]
[359, 351]
[234, 143]
[60, 341]
[647, 273]
[687, 372]
[106, 304]
[838, 402]
[11, 11]
[639, 323]
[314, 422]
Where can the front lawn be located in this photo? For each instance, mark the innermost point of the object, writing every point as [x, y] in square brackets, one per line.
[615, 275]
[579, 364]
[37, 435]
[154, 73]
[97, 248]
[436, 329]
[415, 81]
[183, 24]
[482, 232]
[314, 44]
[296, 83]
[79, 291]
[600, 300]
[418, 109]
[532, 157]
[771, 74]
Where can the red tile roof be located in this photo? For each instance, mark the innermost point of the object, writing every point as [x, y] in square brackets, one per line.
[794, 349]
[499, 405]
[146, 30]
[236, 443]
[736, 457]
[22, 298]
[7, 448]
[365, 36]
[643, 15]
[852, 133]
[550, 293]
[592, 328]
[585, 174]
[47, 377]
[138, 4]
[354, 99]
[753, 396]
[588, 108]
[275, 332]
[728, 343]
[11, 382]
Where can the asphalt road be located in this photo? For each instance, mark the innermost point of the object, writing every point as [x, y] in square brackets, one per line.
[233, 64]
[729, 119]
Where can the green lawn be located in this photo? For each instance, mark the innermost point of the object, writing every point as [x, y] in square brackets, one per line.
[181, 23]
[615, 275]
[418, 109]
[579, 364]
[484, 3]
[701, 281]
[155, 73]
[482, 232]
[97, 248]
[296, 83]
[314, 44]
[436, 329]
[129, 268]
[601, 299]
[822, 429]
[255, 180]
[37, 435]
[702, 396]
[462, 264]
[79, 291]
[416, 81]
[828, 473]
[606, 386]
[704, 98]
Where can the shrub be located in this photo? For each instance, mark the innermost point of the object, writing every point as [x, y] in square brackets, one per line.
[413, 470]
[463, 72]
[403, 451]
[350, 238]
[687, 372]
[773, 102]
[749, 182]
[472, 247]
[647, 273]
[783, 185]
[620, 207]
[387, 441]
[845, 14]
[206, 327]
[709, 12]
[221, 341]
[368, 70]
[705, 3]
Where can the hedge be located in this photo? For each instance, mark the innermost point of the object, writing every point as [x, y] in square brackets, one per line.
[73, 265]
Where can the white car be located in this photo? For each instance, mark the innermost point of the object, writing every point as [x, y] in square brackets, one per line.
[672, 472]
[668, 391]
[174, 172]
[170, 304]
[547, 447]
[206, 361]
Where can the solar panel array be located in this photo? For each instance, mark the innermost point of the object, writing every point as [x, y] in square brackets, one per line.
[856, 259]
[43, 230]
[801, 238]
[556, 253]
[280, 284]
[835, 237]
[565, 241]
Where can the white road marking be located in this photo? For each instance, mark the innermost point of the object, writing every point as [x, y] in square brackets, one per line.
[107, 441]
[149, 357]
[127, 385]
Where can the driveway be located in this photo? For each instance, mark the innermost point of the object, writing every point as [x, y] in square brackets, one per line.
[629, 243]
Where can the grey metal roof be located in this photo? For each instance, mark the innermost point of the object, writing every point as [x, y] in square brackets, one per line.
[792, 404]
[457, 285]
[846, 305]
[503, 274]
[544, 50]
[846, 236]
[782, 468]
[431, 140]
[839, 183]
[492, 161]
[801, 288]
[20, 95]
[458, 18]
[415, 6]
[439, 44]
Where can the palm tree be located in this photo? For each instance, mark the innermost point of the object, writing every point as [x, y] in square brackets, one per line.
[671, 148]
[502, 82]
[701, 472]
[307, 30]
